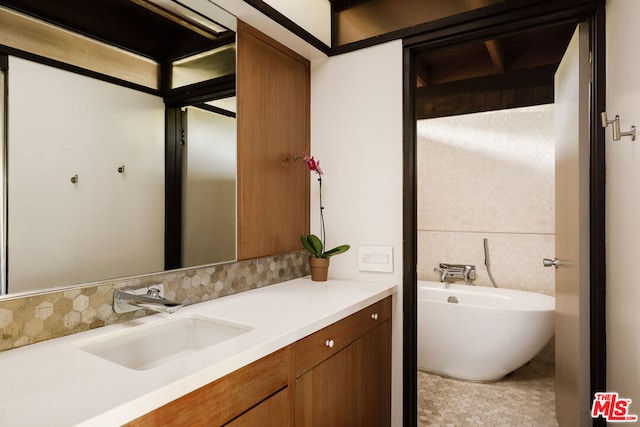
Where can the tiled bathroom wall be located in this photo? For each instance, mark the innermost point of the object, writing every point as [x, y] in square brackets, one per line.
[488, 175]
[29, 319]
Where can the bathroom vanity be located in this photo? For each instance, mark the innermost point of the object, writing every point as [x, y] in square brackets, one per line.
[313, 354]
[339, 374]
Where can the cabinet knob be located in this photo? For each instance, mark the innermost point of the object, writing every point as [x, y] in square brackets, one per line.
[329, 343]
[374, 316]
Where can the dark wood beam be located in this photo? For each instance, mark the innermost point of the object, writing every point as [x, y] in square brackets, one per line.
[340, 5]
[510, 90]
[121, 23]
[496, 54]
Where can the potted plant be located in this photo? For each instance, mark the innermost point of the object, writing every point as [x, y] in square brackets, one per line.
[315, 245]
[319, 260]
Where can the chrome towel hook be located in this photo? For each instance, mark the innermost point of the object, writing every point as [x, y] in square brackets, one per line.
[616, 127]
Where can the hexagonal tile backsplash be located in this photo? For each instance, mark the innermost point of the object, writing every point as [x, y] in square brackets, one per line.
[30, 319]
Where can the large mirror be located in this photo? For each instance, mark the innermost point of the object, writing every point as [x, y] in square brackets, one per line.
[106, 178]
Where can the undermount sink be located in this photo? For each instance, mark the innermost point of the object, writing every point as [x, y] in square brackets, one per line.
[150, 345]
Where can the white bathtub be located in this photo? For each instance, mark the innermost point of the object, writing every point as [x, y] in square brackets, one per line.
[487, 334]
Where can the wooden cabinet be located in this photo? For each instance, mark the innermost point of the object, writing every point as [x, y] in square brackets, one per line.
[372, 377]
[226, 398]
[273, 89]
[343, 372]
[272, 412]
[324, 395]
[338, 376]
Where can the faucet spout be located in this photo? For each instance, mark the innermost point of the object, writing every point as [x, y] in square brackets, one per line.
[466, 274]
[444, 272]
[127, 299]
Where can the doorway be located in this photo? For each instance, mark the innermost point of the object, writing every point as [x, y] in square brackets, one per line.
[487, 175]
[418, 45]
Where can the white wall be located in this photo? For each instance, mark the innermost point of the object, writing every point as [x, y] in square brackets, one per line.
[108, 224]
[356, 133]
[488, 175]
[623, 203]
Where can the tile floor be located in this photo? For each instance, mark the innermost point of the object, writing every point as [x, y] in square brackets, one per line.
[525, 397]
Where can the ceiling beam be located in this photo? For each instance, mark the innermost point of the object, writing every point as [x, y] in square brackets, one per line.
[184, 17]
[521, 88]
[496, 54]
[423, 74]
[340, 5]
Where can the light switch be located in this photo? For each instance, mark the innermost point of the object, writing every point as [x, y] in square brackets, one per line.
[375, 258]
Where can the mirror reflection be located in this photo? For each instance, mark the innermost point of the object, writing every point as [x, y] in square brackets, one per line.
[90, 191]
[209, 186]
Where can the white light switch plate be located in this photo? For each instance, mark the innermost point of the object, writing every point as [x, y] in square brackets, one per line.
[375, 258]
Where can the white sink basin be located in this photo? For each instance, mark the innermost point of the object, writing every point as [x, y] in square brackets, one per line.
[150, 345]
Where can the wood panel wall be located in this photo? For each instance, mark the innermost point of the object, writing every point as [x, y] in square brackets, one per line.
[273, 88]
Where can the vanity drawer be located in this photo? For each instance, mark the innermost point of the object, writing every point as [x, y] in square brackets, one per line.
[372, 316]
[311, 350]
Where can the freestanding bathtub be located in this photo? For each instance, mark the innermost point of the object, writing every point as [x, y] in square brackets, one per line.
[479, 333]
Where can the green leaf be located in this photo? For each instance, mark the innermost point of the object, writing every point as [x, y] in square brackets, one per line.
[316, 243]
[336, 251]
[306, 244]
[312, 244]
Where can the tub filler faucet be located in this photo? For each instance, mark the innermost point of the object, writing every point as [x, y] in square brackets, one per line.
[148, 296]
[457, 271]
[444, 272]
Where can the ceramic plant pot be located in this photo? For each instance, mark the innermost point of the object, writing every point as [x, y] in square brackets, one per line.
[319, 269]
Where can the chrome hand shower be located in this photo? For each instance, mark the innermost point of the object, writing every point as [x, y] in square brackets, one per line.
[487, 264]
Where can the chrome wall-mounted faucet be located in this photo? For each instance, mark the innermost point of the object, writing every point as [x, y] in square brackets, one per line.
[444, 272]
[457, 271]
[148, 296]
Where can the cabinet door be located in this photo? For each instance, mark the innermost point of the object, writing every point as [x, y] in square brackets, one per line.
[324, 395]
[273, 90]
[372, 377]
[272, 412]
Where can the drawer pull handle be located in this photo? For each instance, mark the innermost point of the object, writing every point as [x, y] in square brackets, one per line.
[374, 316]
[329, 343]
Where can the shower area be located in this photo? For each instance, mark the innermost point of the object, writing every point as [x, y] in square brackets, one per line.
[486, 196]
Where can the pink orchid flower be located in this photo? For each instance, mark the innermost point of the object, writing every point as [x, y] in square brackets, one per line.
[312, 164]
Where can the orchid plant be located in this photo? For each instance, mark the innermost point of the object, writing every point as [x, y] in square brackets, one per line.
[312, 243]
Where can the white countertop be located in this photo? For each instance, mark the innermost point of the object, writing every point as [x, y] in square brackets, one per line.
[53, 383]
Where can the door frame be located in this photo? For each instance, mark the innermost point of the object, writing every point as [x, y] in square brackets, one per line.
[529, 16]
